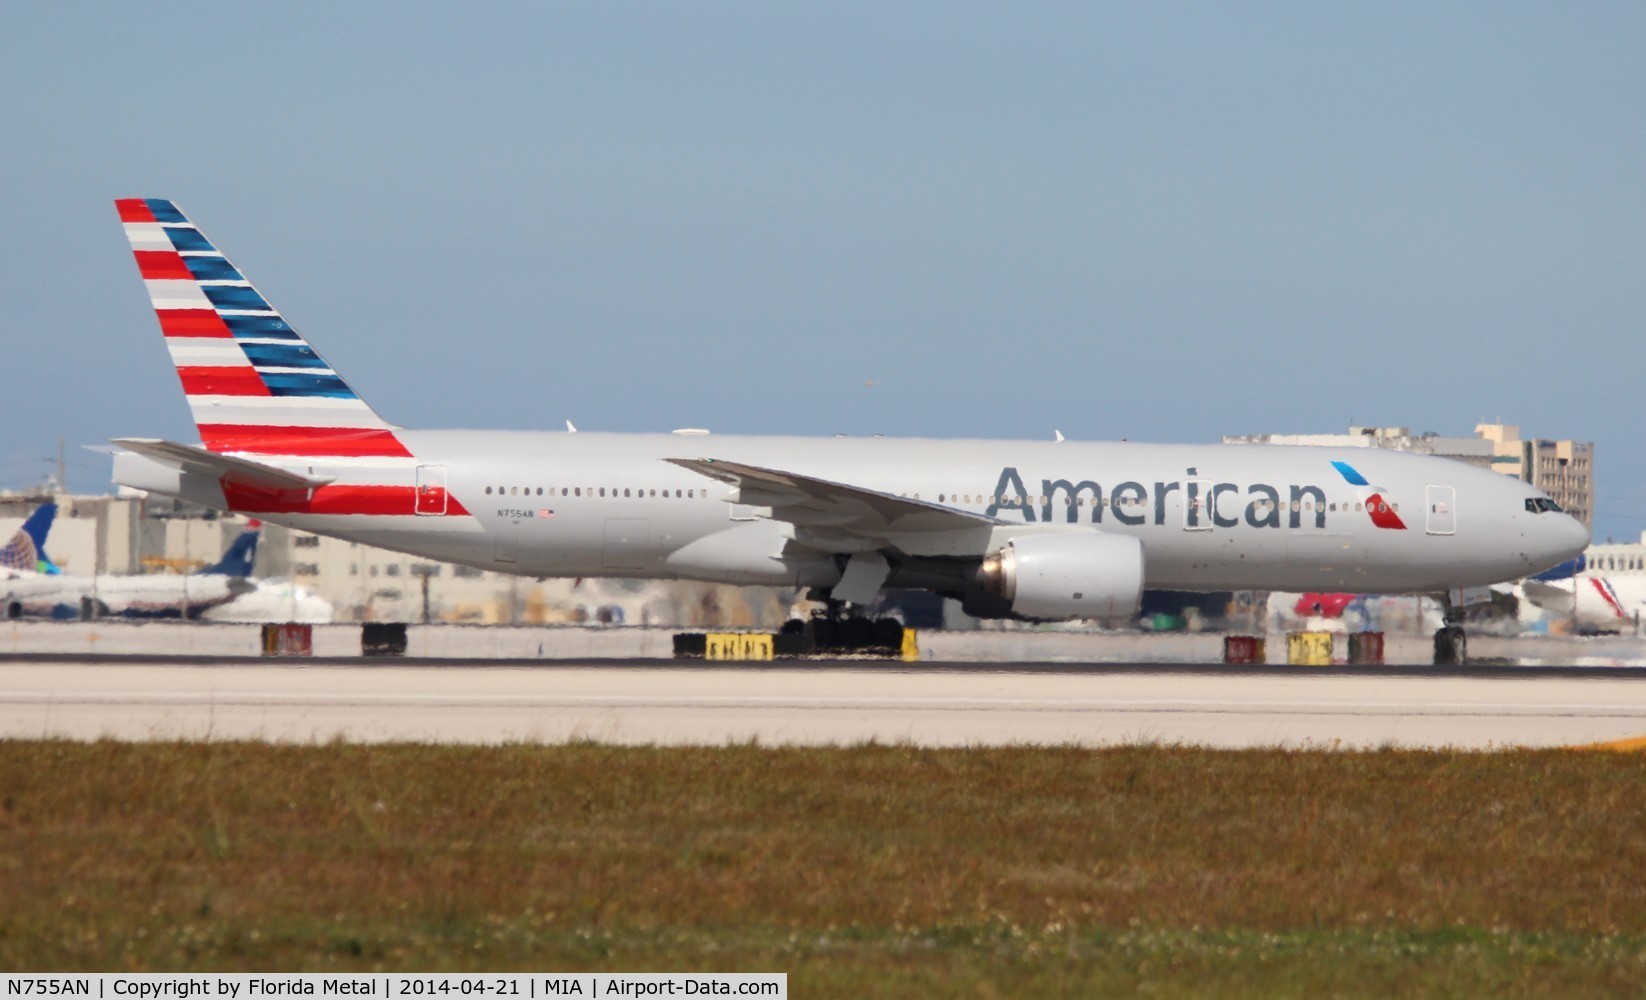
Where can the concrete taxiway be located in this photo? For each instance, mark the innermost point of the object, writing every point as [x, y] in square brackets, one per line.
[602, 643]
[648, 702]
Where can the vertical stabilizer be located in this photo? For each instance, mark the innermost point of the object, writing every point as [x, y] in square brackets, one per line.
[253, 383]
[27, 549]
[238, 559]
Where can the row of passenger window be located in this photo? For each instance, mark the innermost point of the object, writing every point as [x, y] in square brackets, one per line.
[590, 491]
[968, 498]
[1071, 501]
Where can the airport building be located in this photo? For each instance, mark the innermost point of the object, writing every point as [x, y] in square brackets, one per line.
[1470, 450]
[1611, 558]
[1563, 469]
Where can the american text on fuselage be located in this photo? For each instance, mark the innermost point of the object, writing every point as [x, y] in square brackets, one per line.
[1128, 502]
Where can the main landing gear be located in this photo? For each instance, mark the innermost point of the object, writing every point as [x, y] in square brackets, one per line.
[839, 629]
[1451, 643]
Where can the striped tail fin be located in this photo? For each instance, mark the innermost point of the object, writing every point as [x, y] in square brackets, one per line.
[254, 384]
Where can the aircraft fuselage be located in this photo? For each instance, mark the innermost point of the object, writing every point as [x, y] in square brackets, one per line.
[1210, 517]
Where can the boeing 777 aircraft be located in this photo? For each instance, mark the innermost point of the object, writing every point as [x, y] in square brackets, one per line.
[1042, 530]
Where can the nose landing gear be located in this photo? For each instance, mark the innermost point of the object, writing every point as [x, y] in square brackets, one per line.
[1451, 643]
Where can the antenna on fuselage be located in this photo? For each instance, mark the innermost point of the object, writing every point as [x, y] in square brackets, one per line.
[1059, 436]
[571, 428]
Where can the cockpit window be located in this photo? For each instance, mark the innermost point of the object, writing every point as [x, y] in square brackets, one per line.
[1539, 505]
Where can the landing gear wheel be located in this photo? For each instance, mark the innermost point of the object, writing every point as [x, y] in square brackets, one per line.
[1451, 646]
[855, 635]
[840, 628]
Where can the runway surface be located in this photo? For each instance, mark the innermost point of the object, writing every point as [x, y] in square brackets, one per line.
[656, 702]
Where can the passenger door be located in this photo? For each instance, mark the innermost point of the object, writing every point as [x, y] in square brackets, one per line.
[1440, 510]
[431, 490]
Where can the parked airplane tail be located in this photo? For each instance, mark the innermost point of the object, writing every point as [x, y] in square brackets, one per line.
[27, 548]
[1564, 571]
[253, 383]
[239, 557]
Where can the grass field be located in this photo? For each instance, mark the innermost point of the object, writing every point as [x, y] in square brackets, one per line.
[868, 871]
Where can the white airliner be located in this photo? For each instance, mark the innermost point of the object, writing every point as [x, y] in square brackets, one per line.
[160, 595]
[1043, 530]
[1596, 603]
[274, 601]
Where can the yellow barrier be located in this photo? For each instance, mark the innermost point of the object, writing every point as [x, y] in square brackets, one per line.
[911, 646]
[737, 646]
[1632, 745]
[1309, 649]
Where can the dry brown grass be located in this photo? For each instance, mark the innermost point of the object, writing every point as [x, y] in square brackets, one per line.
[892, 869]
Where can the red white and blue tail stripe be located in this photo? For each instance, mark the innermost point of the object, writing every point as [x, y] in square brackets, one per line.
[254, 384]
[1608, 596]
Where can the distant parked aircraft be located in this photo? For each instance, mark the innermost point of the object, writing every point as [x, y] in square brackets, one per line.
[274, 601]
[161, 595]
[1594, 602]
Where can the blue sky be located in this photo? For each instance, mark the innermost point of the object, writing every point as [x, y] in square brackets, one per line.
[1152, 221]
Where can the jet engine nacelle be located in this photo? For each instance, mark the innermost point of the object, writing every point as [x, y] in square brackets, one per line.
[1087, 575]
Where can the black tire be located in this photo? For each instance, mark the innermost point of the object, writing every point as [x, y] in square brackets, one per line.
[825, 636]
[888, 636]
[857, 634]
[1451, 646]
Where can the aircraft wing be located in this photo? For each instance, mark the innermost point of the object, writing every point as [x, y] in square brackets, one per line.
[837, 516]
[215, 466]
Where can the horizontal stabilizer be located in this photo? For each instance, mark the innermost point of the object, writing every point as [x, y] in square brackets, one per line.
[200, 462]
